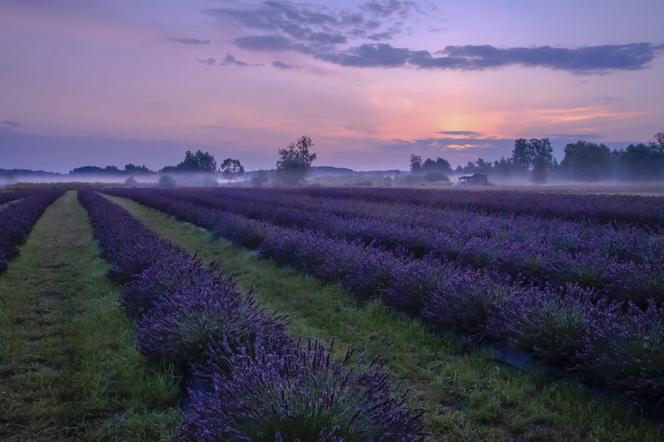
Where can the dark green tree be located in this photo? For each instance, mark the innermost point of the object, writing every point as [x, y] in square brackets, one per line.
[198, 161]
[522, 155]
[231, 169]
[133, 168]
[586, 161]
[641, 162]
[415, 163]
[295, 161]
[539, 172]
[659, 138]
[503, 166]
[437, 165]
[534, 156]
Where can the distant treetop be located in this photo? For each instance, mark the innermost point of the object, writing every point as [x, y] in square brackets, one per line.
[295, 161]
[198, 161]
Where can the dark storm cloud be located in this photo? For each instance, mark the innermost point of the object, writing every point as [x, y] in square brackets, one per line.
[190, 41]
[281, 65]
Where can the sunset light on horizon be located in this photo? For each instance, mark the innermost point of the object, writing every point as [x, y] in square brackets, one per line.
[112, 82]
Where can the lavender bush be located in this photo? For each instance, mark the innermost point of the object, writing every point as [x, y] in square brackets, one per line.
[163, 279]
[182, 327]
[559, 324]
[552, 328]
[191, 315]
[298, 395]
[17, 220]
[645, 210]
[602, 257]
[12, 195]
[628, 352]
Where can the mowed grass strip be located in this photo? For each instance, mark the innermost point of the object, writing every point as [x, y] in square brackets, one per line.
[68, 365]
[466, 395]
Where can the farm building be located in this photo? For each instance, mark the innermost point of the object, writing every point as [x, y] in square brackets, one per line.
[476, 178]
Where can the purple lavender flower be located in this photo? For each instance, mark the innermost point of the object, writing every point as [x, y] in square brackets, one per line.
[627, 350]
[162, 279]
[181, 328]
[298, 395]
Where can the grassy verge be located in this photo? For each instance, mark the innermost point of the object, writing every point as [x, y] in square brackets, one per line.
[68, 364]
[468, 396]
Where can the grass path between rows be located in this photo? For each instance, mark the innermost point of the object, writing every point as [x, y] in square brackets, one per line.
[467, 396]
[68, 365]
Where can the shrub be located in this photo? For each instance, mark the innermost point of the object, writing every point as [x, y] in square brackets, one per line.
[412, 285]
[552, 327]
[298, 395]
[182, 328]
[466, 301]
[162, 279]
[628, 351]
[166, 181]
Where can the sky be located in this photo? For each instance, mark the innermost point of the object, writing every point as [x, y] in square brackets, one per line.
[372, 81]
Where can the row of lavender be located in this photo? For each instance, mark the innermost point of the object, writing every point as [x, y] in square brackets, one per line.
[646, 210]
[17, 220]
[247, 380]
[616, 343]
[12, 195]
[624, 262]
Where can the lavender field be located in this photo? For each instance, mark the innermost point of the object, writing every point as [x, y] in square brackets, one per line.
[234, 297]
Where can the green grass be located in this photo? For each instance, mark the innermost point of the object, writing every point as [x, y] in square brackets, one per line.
[68, 365]
[466, 395]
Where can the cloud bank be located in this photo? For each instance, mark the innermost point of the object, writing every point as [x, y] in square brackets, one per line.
[357, 38]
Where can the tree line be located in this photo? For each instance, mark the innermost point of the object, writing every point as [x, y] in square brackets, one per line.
[582, 161]
[292, 166]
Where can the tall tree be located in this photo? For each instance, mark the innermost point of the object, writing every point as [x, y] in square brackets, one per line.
[231, 169]
[295, 161]
[534, 156]
[198, 162]
[641, 162]
[415, 163]
[586, 161]
[522, 155]
[437, 165]
[659, 138]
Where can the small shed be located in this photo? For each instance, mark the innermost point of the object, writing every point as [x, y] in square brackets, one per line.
[476, 178]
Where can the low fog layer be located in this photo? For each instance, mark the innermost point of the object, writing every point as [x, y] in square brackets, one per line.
[584, 164]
